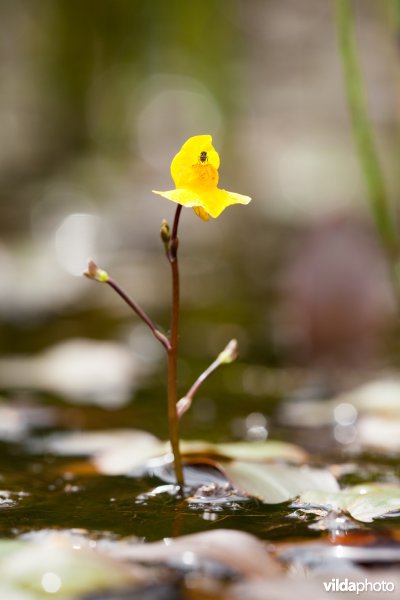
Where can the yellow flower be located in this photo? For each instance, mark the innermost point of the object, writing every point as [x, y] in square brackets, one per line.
[195, 173]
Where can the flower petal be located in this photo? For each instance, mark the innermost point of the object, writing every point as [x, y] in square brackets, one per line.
[200, 212]
[201, 143]
[215, 201]
[182, 196]
[211, 201]
[197, 152]
[234, 198]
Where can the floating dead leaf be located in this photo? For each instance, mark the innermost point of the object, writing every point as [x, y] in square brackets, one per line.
[94, 443]
[241, 554]
[55, 565]
[267, 451]
[379, 397]
[130, 453]
[82, 370]
[380, 433]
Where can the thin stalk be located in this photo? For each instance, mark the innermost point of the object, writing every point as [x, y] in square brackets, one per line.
[201, 379]
[362, 131]
[228, 355]
[140, 312]
[173, 420]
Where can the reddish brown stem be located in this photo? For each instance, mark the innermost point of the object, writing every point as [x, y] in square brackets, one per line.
[140, 312]
[173, 420]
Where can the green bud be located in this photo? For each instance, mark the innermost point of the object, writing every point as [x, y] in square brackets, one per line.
[165, 232]
[229, 354]
[93, 272]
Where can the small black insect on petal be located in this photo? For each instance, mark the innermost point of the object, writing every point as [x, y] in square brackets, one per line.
[203, 156]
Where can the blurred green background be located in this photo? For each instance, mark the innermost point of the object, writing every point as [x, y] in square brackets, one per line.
[96, 99]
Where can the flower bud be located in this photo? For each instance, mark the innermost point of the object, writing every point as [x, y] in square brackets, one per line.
[165, 232]
[229, 354]
[93, 272]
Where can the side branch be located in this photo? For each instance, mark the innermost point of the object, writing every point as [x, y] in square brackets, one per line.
[93, 272]
[141, 314]
[228, 355]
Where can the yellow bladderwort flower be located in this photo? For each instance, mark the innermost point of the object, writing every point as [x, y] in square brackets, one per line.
[195, 173]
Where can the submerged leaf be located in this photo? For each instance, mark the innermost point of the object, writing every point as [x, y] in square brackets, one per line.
[278, 483]
[364, 502]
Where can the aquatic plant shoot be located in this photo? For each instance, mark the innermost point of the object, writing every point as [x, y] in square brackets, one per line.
[194, 171]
